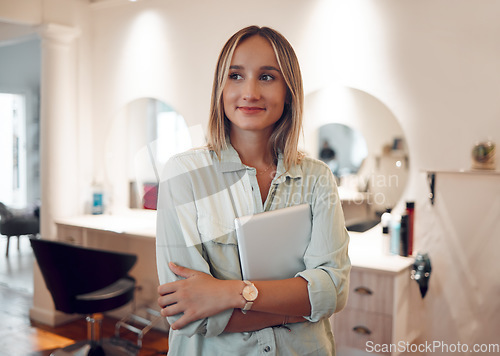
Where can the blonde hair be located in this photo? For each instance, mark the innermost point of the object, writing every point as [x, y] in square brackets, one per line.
[285, 136]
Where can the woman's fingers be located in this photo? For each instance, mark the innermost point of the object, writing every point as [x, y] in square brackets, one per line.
[171, 310]
[166, 288]
[182, 271]
[166, 300]
[188, 317]
[198, 295]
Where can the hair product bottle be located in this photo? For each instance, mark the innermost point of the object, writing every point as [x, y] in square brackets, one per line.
[395, 234]
[410, 211]
[97, 207]
[403, 236]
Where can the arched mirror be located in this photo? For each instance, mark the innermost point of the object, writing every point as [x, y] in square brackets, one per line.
[146, 133]
[371, 157]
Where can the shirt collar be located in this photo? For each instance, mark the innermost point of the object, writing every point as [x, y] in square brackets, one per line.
[231, 162]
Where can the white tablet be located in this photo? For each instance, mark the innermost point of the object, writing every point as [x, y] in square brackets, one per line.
[272, 244]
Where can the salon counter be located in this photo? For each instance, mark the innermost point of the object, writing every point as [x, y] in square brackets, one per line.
[382, 308]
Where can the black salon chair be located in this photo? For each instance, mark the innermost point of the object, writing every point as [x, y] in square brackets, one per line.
[17, 224]
[363, 225]
[87, 281]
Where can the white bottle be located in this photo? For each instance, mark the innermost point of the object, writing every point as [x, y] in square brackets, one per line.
[385, 221]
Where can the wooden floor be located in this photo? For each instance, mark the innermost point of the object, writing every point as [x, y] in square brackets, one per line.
[19, 336]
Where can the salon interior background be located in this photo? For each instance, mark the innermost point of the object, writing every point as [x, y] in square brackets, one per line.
[433, 64]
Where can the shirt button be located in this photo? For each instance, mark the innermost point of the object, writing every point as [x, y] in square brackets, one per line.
[267, 349]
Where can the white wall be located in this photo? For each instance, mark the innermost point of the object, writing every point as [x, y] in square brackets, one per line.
[168, 50]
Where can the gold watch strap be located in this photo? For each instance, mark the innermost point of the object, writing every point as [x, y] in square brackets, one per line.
[247, 307]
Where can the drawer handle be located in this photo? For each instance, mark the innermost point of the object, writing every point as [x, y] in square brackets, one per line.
[363, 291]
[361, 330]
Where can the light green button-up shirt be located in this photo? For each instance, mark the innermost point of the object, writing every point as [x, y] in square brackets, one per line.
[200, 197]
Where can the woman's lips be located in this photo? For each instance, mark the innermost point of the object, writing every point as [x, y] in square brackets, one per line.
[250, 109]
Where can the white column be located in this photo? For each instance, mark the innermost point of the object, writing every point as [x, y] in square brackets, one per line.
[59, 136]
[58, 148]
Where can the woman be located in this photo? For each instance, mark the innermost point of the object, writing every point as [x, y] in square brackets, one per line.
[251, 165]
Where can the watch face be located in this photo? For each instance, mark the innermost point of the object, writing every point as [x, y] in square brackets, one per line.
[250, 293]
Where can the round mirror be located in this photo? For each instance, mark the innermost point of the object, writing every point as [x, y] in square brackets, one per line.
[146, 133]
[369, 146]
[342, 148]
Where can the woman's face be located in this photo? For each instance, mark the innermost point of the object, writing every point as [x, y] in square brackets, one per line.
[255, 91]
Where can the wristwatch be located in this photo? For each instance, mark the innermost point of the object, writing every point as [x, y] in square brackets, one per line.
[250, 293]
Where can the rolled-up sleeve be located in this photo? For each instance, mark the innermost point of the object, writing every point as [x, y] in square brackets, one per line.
[326, 258]
[178, 240]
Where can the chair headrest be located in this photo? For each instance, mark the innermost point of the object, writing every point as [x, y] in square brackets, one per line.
[5, 213]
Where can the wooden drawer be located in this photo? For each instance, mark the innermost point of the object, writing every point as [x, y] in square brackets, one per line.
[70, 234]
[354, 328]
[371, 292]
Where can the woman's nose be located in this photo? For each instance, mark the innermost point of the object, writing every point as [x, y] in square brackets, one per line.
[251, 90]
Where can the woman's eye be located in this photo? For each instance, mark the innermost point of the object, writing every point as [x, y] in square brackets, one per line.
[235, 76]
[266, 77]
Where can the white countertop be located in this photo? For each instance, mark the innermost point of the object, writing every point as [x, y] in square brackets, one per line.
[132, 222]
[370, 250]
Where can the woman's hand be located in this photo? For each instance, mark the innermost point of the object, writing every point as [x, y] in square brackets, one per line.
[198, 296]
